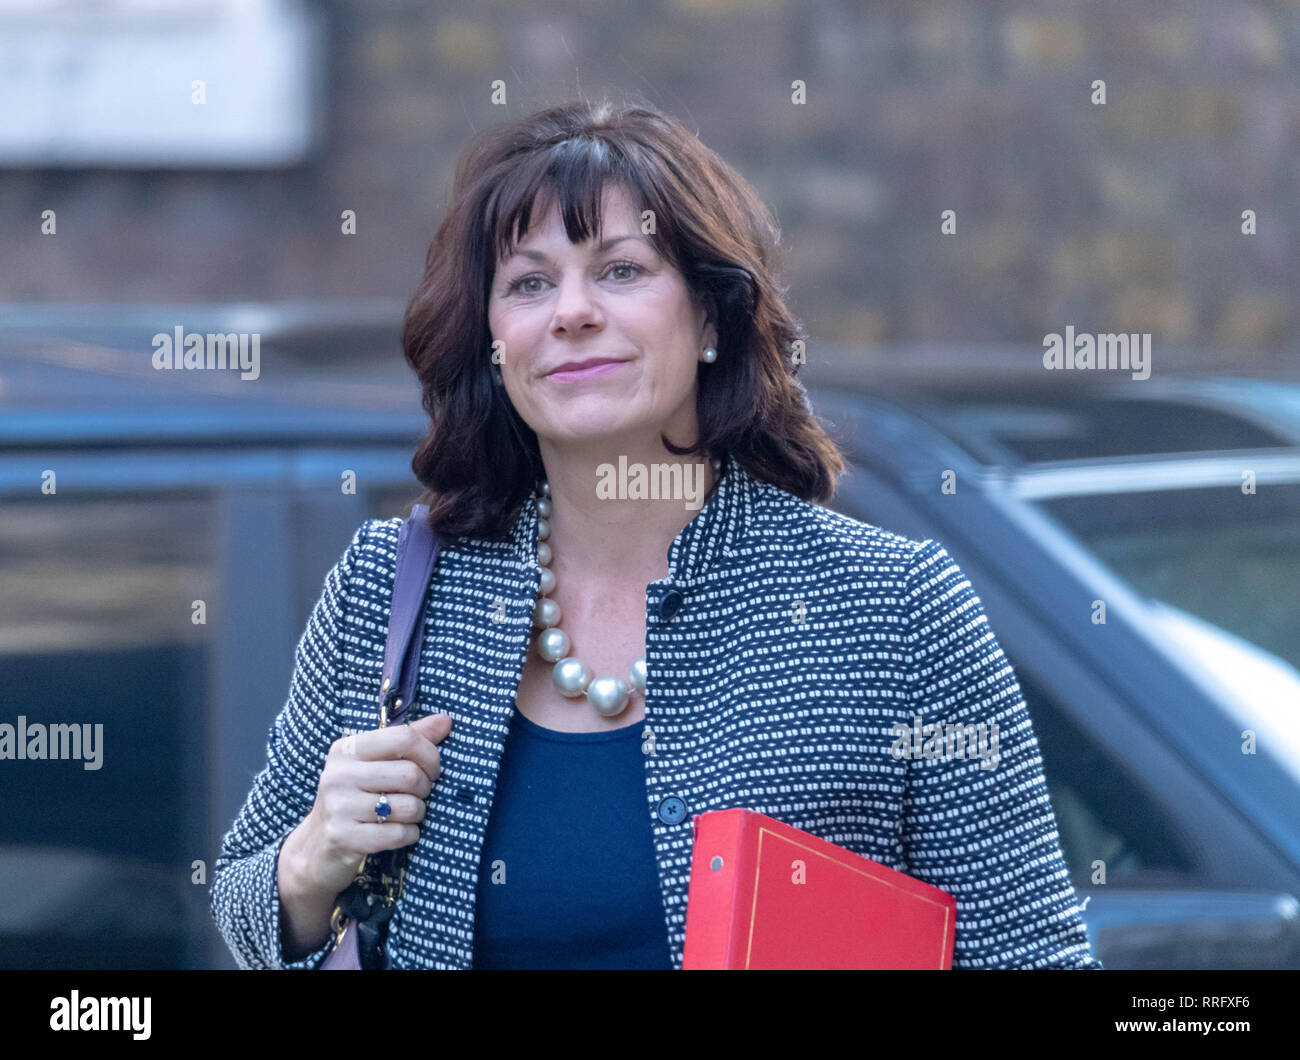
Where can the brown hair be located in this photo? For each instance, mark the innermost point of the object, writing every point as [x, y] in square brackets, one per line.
[480, 460]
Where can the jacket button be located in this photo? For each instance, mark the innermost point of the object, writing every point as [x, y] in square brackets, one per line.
[465, 794]
[670, 604]
[672, 810]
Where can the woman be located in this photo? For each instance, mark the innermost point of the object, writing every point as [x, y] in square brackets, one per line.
[599, 304]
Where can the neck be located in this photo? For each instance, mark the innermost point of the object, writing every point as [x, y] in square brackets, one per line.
[606, 527]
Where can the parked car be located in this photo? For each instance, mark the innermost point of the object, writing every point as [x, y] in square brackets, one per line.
[161, 587]
[1176, 508]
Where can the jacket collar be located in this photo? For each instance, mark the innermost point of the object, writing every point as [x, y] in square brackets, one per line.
[712, 534]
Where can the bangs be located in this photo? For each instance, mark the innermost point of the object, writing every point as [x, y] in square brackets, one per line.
[575, 172]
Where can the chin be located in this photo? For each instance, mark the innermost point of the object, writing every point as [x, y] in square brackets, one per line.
[614, 432]
[592, 418]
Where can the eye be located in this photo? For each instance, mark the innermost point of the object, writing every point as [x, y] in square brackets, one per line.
[625, 265]
[518, 284]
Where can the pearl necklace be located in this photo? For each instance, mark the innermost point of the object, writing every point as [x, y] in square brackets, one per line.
[608, 695]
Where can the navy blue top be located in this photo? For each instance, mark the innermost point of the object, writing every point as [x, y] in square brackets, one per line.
[570, 845]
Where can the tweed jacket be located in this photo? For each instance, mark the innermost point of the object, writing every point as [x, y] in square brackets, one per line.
[786, 651]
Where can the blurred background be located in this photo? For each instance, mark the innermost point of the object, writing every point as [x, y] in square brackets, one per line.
[954, 182]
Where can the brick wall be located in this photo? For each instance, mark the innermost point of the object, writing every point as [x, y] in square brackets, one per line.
[1117, 217]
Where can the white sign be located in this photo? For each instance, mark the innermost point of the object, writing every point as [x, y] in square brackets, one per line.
[228, 83]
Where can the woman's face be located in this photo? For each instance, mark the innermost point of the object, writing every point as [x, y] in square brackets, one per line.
[553, 302]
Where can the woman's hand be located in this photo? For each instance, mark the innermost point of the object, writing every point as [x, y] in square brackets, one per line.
[321, 856]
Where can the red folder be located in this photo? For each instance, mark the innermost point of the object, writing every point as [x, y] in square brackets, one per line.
[765, 895]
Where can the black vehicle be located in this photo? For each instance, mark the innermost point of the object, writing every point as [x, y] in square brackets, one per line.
[1137, 549]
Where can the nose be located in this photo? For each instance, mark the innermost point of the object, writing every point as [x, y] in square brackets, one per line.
[575, 308]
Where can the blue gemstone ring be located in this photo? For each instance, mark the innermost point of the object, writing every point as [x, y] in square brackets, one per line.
[382, 809]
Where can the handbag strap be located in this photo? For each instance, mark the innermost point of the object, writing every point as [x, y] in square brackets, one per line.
[417, 549]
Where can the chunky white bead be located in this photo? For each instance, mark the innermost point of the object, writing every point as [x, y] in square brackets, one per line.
[547, 578]
[637, 677]
[570, 677]
[544, 507]
[544, 554]
[543, 529]
[608, 695]
[553, 644]
[546, 613]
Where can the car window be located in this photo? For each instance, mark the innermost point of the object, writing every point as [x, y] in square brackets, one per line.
[1101, 813]
[1093, 427]
[1227, 557]
[98, 632]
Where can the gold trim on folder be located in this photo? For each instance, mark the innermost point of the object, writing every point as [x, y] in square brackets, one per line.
[758, 864]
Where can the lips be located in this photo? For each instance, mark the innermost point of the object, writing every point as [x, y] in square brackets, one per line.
[575, 367]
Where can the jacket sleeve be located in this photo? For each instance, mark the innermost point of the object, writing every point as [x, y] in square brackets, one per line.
[245, 898]
[980, 825]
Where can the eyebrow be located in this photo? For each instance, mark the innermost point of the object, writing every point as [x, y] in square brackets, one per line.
[537, 255]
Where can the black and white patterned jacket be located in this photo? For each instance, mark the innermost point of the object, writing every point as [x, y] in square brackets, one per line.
[782, 651]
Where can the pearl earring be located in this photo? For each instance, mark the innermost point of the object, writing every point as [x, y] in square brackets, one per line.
[710, 355]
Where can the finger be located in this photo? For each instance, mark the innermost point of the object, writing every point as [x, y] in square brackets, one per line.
[403, 808]
[399, 741]
[375, 744]
[435, 727]
[413, 744]
[416, 747]
[384, 778]
[377, 837]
